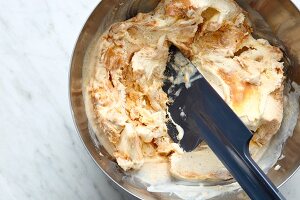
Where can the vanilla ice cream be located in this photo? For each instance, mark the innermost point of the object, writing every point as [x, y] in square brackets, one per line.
[128, 108]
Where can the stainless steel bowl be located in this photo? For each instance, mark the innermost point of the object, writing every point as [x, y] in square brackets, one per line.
[284, 20]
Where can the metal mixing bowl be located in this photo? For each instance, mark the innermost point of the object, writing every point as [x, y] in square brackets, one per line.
[284, 20]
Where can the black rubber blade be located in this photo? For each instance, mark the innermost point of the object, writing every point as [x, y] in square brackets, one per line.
[208, 117]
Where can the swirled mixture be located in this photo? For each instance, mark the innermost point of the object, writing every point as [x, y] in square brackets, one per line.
[124, 97]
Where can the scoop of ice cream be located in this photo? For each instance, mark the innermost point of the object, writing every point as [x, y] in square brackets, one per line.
[128, 108]
[246, 73]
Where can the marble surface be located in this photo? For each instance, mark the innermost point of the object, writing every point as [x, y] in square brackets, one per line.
[41, 155]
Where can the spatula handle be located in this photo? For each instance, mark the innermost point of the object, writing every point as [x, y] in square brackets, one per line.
[240, 164]
[264, 188]
[229, 139]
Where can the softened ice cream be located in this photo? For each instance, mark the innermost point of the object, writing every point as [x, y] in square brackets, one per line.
[124, 97]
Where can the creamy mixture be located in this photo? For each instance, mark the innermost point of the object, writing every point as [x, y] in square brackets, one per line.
[128, 108]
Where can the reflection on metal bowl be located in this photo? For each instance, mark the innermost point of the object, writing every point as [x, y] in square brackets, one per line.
[284, 20]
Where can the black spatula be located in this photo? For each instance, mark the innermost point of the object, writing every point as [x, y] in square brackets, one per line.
[203, 115]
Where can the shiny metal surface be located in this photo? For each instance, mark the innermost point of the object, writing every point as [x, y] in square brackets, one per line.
[283, 18]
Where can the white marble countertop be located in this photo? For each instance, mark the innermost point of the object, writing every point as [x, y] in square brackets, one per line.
[41, 155]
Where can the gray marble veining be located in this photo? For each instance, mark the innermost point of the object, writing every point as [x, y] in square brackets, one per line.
[41, 155]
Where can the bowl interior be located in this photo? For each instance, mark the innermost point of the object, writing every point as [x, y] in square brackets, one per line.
[284, 20]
